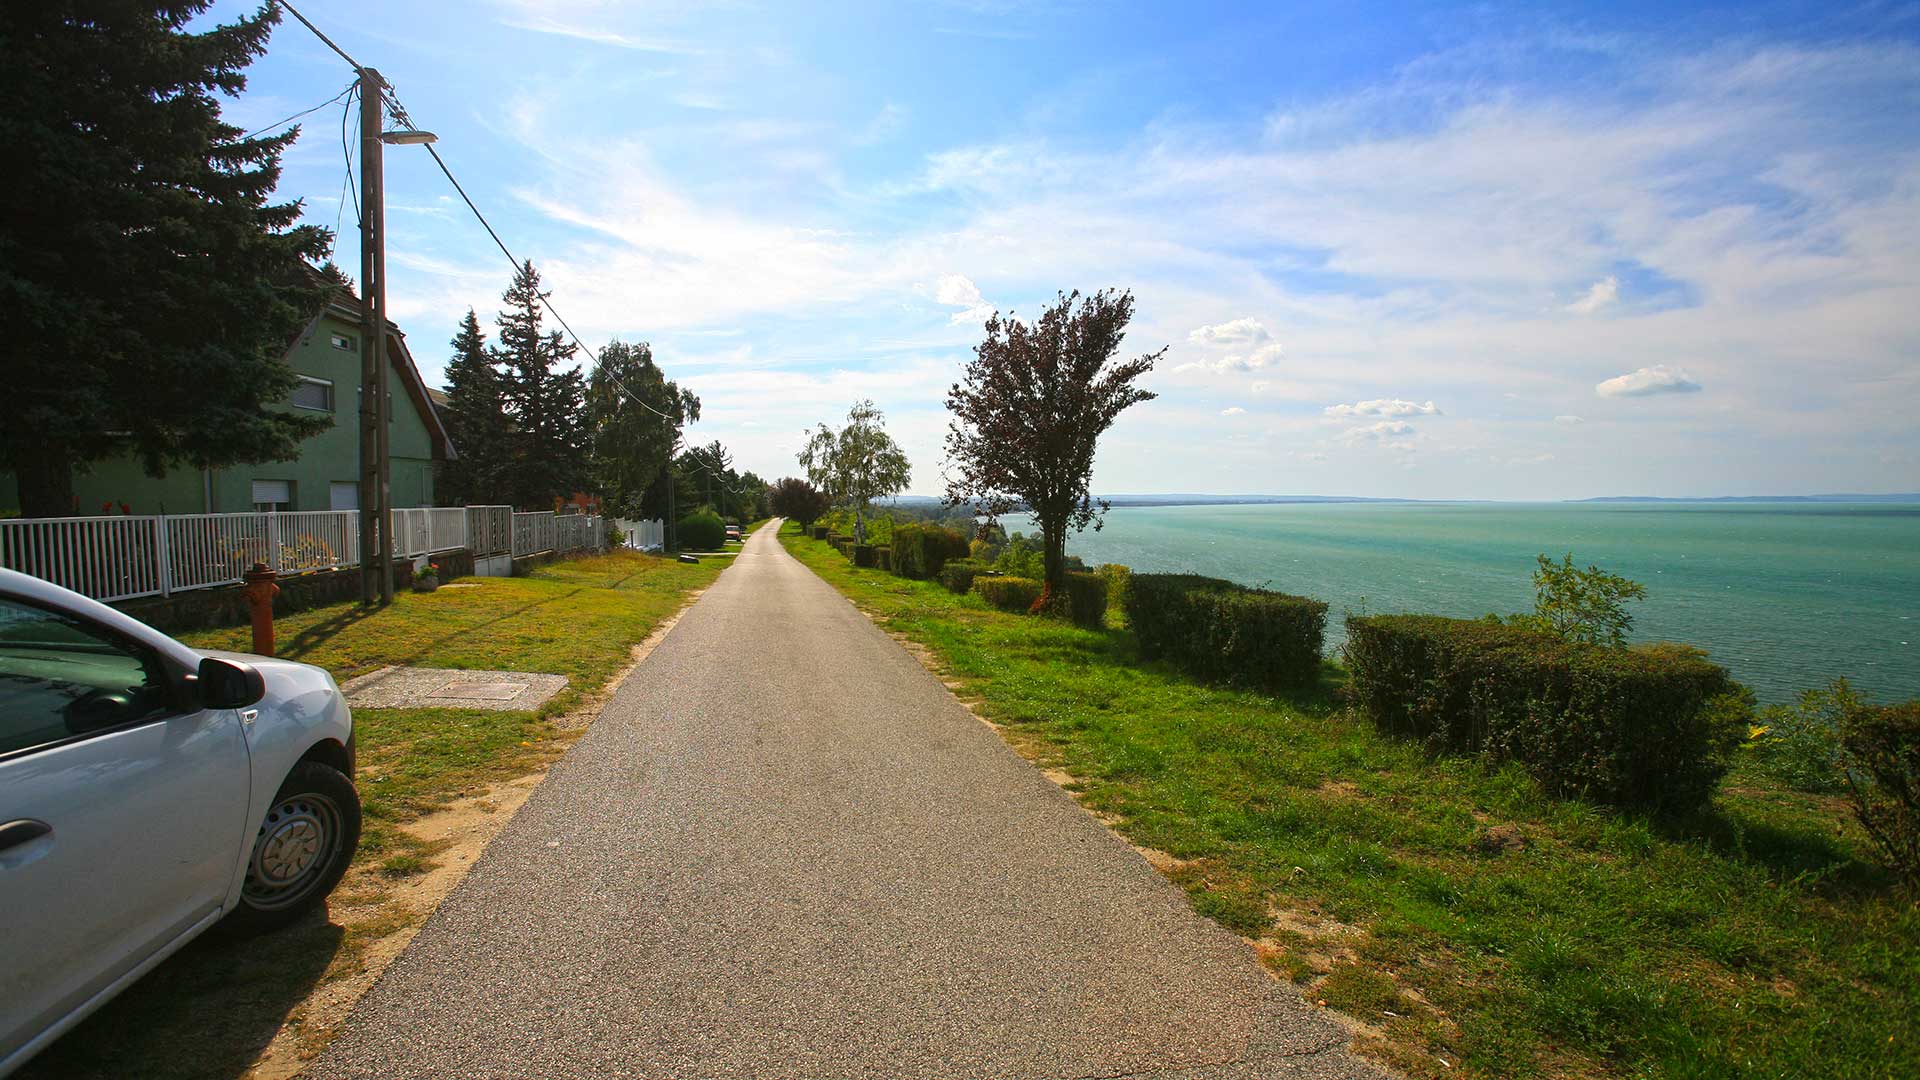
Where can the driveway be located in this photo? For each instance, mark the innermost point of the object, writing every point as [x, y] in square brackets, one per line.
[786, 850]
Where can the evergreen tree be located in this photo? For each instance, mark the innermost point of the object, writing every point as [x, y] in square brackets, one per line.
[151, 290]
[476, 421]
[633, 442]
[544, 401]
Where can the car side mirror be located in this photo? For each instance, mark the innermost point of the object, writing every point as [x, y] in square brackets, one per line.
[229, 684]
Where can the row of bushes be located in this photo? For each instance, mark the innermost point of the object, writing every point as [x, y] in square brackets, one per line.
[1650, 726]
[1225, 632]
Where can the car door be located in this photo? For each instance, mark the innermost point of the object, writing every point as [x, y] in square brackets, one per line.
[122, 812]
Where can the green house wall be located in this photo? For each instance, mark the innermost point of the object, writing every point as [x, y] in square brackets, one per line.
[331, 456]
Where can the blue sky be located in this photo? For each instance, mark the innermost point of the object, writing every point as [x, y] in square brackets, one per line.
[1444, 251]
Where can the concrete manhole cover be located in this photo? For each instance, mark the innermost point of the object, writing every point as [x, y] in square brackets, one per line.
[416, 688]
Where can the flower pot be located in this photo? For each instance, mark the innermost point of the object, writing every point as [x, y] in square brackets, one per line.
[425, 584]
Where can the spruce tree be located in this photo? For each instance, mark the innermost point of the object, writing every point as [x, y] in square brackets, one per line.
[476, 421]
[545, 402]
[151, 290]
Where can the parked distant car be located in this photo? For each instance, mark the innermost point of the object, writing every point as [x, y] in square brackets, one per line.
[147, 792]
[733, 533]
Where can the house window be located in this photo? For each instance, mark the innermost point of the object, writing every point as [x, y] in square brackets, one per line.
[343, 495]
[342, 342]
[312, 393]
[272, 496]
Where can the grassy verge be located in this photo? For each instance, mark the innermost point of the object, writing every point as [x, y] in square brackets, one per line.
[1468, 925]
[210, 1010]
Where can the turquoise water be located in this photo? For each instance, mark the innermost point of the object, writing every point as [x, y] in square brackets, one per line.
[1786, 595]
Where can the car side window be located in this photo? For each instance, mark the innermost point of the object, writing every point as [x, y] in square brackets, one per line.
[60, 677]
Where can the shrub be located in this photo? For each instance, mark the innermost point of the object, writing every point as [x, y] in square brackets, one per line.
[1087, 600]
[1225, 632]
[958, 575]
[921, 550]
[702, 530]
[1882, 748]
[1800, 743]
[1008, 593]
[1650, 726]
[882, 557]
[820, 532]
[863, 554]
[1117, 577]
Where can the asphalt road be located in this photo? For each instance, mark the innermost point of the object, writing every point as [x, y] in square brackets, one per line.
[785, 850]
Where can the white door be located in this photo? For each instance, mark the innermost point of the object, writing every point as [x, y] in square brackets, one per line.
[343, 495]
[122, 814]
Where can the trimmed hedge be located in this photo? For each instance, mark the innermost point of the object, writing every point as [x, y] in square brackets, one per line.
[702, 531]
[1225, 632]
[958, 575]
[862, 555]
[882, 557]
[1008, 593]
[1087, 600]
[921, 550]
[820, 532]
[1649, 726]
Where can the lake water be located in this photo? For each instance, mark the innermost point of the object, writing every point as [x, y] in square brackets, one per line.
[1786, 595]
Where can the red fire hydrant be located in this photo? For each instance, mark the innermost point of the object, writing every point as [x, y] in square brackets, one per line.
[259, 592]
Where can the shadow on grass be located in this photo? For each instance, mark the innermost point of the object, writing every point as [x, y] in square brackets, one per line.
[207, 1012]
[322, 632]
[1797, 852]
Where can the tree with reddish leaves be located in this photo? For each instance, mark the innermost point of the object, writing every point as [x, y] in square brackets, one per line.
[792, 497]
[1029, 410]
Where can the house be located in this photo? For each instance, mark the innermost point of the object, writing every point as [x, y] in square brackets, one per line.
[326, 474]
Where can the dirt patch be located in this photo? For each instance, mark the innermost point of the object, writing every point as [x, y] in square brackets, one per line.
[386, 914]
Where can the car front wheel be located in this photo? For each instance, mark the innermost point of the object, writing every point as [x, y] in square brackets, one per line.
[302, 848]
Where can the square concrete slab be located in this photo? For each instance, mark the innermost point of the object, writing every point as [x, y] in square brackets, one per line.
[487, 691]
[414, 688]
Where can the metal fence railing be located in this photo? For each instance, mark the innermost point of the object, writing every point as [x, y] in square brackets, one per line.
[536, 533]
[123, 558]
[489, 531]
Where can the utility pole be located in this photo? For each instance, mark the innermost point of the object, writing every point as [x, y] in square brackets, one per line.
[376, 561]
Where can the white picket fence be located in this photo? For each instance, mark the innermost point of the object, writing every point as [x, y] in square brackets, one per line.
[122, 558]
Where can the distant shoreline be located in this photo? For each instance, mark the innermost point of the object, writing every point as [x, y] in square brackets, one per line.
[1187, 499]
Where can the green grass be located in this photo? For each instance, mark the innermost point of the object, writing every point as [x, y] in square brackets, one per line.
[209, 1010]
[1757, 939]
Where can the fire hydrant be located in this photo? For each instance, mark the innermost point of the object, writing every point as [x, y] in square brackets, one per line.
[259, 592]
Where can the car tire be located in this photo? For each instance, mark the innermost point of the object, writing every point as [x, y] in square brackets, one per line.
[300, 850]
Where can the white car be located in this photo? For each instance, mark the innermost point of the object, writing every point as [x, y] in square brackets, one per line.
[148, 791]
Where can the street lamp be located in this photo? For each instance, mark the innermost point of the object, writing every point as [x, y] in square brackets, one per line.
[408, 138]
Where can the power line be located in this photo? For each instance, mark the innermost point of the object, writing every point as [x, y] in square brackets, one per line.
[399, 112]
[288, 120]
[308, 23]
[346, 151]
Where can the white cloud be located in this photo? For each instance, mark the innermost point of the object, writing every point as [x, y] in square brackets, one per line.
[1234, 410]
[1239, 332]
[1568, 420]
[1602, 293]
[1384, 431]
[1383, 407]
[1263, 357]
[955, 290]
[1647, 381]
